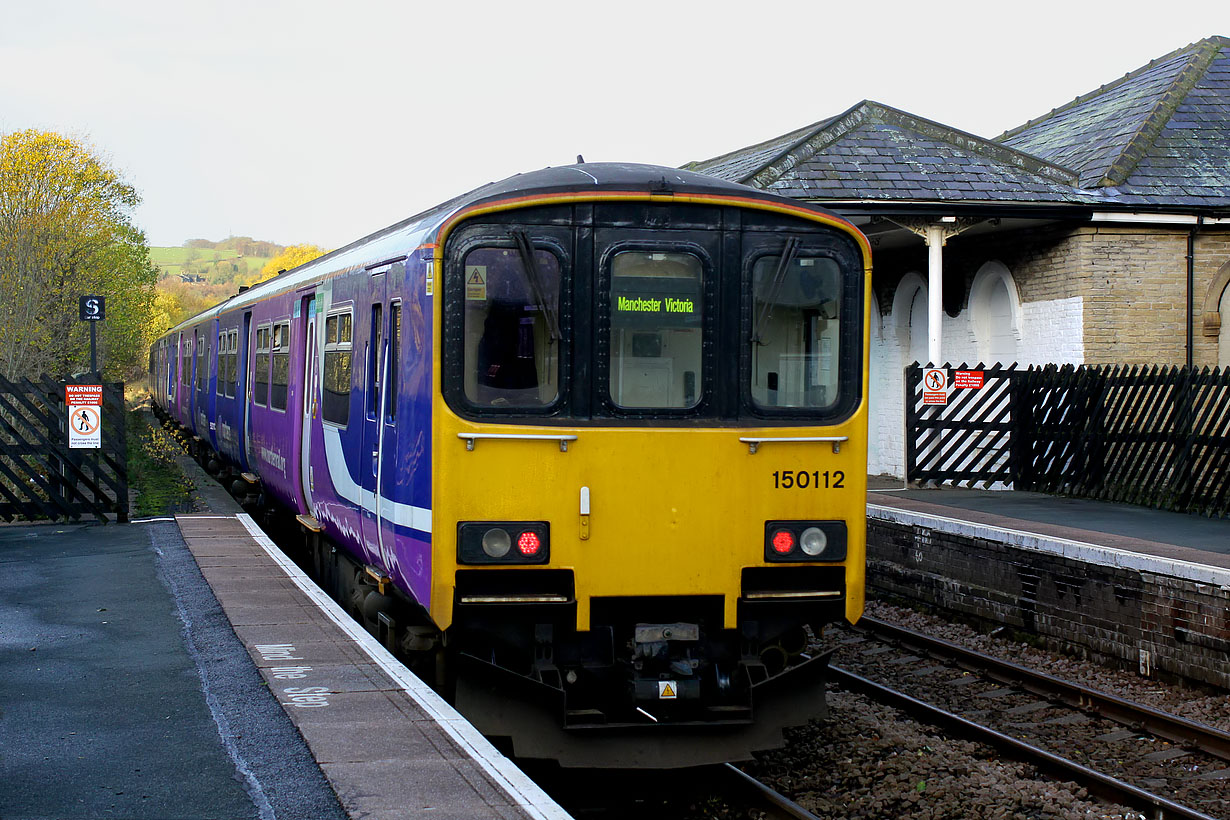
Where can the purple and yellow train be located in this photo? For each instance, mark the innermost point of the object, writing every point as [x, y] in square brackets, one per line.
[588, 446]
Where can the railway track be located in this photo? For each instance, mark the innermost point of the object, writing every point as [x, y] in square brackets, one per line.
[1147, 760]
[774, 804]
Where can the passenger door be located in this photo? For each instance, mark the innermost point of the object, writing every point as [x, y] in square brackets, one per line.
[311, 390]
[374, 375]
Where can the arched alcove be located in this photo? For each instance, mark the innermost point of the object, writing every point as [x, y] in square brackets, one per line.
[1216, 311]
[995, 314]
[910, 318]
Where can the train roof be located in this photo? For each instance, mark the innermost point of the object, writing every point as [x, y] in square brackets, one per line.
[581, 178]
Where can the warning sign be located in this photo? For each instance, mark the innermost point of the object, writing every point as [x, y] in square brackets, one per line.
[972, 379]
[935, 385]
[667, 690]
[476, 283]
[84, 403]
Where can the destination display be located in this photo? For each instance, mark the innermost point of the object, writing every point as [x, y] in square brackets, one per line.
[658, 302]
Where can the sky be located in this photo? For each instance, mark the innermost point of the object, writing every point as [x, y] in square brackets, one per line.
[321, 122]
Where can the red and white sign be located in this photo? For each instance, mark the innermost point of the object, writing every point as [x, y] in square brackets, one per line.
[84, 415]
[972, 379]
[935, 385]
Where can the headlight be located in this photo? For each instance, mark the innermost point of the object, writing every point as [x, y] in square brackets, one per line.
[813, 541]
[496, 542]
[804, 541]
[503, 542]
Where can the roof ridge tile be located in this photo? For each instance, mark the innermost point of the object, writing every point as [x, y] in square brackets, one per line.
[1215, 42]
[1163, 110]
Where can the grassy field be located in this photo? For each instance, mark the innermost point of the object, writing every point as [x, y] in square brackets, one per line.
[174, 261]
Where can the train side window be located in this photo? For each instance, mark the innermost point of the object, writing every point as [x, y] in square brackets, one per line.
[335, 377]
[657, 313]
[375, 360]
[280, 381]
[795, 335]
[511, 327]
[260, 367]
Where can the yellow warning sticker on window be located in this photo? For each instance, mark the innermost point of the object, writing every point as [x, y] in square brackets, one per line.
[667, 690]
[476, 283]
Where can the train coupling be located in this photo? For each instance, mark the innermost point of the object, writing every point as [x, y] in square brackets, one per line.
[665, 661]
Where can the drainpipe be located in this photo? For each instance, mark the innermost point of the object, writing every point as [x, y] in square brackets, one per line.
[1191, 286]
[935, 291]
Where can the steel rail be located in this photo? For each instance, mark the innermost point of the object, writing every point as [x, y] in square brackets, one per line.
[1102, 785]
[1188, 733]
[781, 806]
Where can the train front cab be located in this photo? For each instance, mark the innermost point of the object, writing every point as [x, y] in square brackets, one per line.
[650, 458]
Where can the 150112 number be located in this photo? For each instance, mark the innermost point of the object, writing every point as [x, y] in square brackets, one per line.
[804, 480]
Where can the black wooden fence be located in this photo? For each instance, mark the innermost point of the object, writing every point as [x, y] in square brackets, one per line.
[1154, 436]
[40, 476]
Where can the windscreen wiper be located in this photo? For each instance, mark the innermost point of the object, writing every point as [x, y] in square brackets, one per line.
[775, 287]
[526, 250]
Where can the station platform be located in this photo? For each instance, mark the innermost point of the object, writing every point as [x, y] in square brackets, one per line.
[1158, 533]
[184, 668]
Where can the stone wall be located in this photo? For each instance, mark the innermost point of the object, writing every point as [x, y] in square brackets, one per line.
[1141, 612]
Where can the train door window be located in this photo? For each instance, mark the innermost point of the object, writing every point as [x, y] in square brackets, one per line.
[335, 377]
[201, 365]
[657, 312]
[280, 380]
[394, 361]
[185, 362]
[795, 333]
[375, 360]
[232, 361]
[221, 363]
[260, 367]
[511, 326]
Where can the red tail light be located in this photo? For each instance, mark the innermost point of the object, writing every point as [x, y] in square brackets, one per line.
[783, 541]
[529, 543]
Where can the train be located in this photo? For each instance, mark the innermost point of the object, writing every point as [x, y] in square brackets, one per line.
[587, 447]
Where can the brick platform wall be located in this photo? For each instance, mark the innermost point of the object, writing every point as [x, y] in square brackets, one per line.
[1158, 616]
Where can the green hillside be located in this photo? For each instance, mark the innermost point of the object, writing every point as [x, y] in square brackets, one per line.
[213, 266]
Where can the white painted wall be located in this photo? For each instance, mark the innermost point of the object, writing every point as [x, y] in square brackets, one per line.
[994, 324]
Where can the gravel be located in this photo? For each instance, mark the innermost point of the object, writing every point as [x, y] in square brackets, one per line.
[871, 761]
[1193, 702]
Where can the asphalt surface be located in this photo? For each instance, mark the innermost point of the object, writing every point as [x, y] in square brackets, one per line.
[125, 693]
[1159, 526]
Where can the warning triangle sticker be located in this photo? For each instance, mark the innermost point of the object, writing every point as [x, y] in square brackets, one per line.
[667, 691]
[476, 278]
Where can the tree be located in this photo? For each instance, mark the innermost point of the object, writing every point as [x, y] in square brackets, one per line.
[292, 257]
[66, 231]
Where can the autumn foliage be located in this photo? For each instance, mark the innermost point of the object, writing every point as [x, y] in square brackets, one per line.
[66, 230]
[292, 257]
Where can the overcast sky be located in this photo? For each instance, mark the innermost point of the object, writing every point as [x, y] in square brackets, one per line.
[322, 121]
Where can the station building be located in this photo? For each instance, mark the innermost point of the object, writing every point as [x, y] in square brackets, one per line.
[1098, 233]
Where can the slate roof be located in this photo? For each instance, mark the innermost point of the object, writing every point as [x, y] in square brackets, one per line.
[1159, 136]
[874, 151]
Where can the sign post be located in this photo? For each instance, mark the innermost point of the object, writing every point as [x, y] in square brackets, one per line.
[84, 403]
[93, 309]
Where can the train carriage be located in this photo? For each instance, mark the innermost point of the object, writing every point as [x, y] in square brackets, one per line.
[587, 445]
